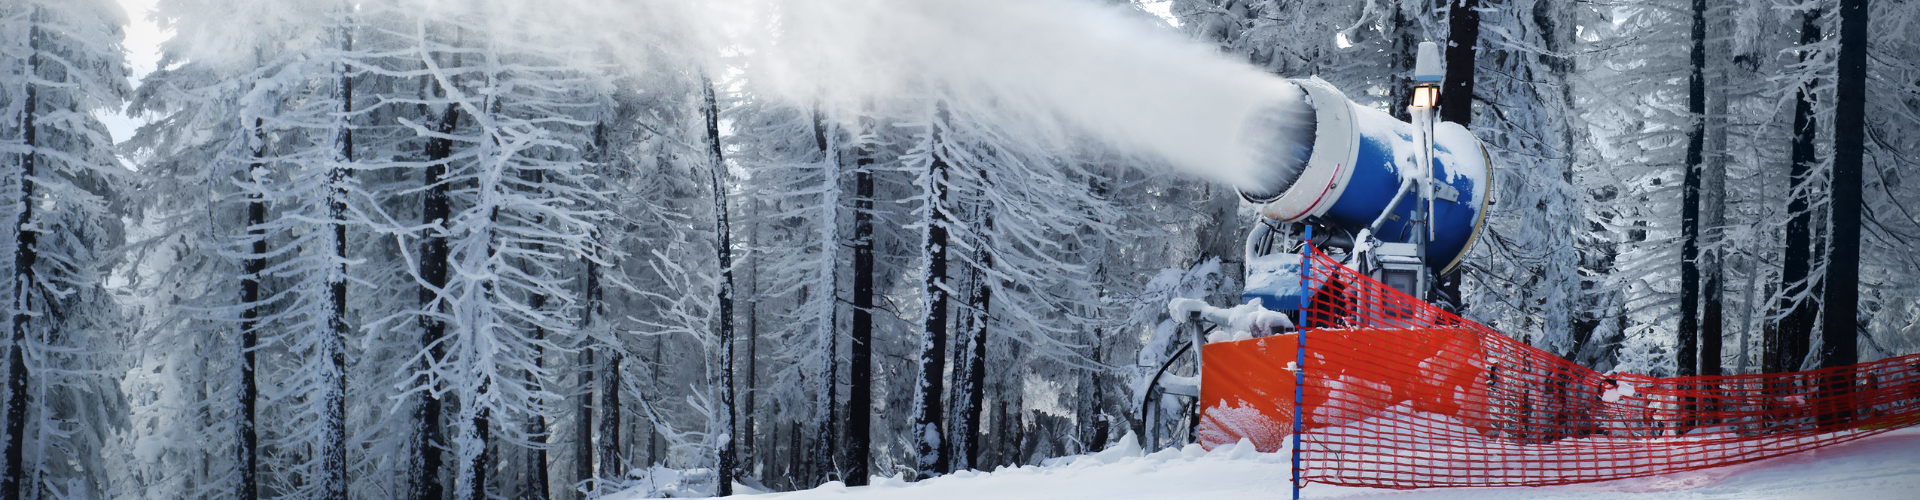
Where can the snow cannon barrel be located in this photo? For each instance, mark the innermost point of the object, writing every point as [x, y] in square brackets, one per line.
[1355, 166]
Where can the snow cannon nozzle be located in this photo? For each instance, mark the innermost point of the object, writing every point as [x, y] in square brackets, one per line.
[1283, 136]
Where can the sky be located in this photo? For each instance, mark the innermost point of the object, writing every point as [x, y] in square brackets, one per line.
[143, 52]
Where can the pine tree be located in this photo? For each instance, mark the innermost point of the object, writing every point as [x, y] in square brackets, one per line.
[196, 189]
[521, 211]
[63, 64]
[1523, 274]
[11, 483]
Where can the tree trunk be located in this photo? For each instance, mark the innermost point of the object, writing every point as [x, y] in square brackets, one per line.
[537, 426]
[24, 257]
[1748, 306]
[824, 441]
[1401, 58]
[583, 403]
[1839, 329]
[969, 371]
[860, 346]
[795, 464]
[928, 412]
[334, 454]
[981, 307]
[1102, 426]
[583, 406]
[255, 263]
[1456, 99]
[1713, 213]
[1788, 350]
[612, 463]
[1463, 35]
[749, 446]
[724, 246]
[1688, 358]
[483, 462]
[435, 208]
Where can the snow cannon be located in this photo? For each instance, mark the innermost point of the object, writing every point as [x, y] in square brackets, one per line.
[1384, 208]
[1360, 173]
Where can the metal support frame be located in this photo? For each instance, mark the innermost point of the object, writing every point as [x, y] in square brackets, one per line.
[1300, 360]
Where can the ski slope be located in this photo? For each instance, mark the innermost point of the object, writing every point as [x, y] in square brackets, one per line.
[1884, 466]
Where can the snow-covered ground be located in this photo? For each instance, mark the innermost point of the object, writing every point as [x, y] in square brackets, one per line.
[1885, 466]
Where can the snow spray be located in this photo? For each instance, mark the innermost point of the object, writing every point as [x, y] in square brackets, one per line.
[1057, 70]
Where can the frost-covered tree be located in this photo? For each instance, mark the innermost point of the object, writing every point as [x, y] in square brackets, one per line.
[929, 433]
[1642, 132]
[1524, 277]
[518, 211]
[724, 415]
[211, 243]
[62, 63]
[793, 155]
[283, 98]
[501, 128]
[1888, 317]
[1839, 327]
[1789, 337]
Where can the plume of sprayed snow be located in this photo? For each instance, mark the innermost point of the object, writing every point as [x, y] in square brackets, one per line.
[1057, 70]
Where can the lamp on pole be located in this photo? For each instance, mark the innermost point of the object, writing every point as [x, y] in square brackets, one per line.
[1427, 75]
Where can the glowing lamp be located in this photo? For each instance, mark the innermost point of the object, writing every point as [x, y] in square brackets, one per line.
[1425, 96]
[1427, 76]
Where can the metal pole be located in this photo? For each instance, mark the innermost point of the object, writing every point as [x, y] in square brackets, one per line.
[1424, 117]
[1428, 76]
[1300, 359]
[1422, 218]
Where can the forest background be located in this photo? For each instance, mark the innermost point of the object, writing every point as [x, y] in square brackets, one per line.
[428, 249]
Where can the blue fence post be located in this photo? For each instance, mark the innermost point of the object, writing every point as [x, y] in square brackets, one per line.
[1300, 360]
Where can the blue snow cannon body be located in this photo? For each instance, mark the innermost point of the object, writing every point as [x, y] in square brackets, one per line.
[1359, 161]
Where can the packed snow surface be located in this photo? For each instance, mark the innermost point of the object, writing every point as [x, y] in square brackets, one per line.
[1884, 466]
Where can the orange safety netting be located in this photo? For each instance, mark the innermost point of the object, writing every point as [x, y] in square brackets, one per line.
[1400, 394]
